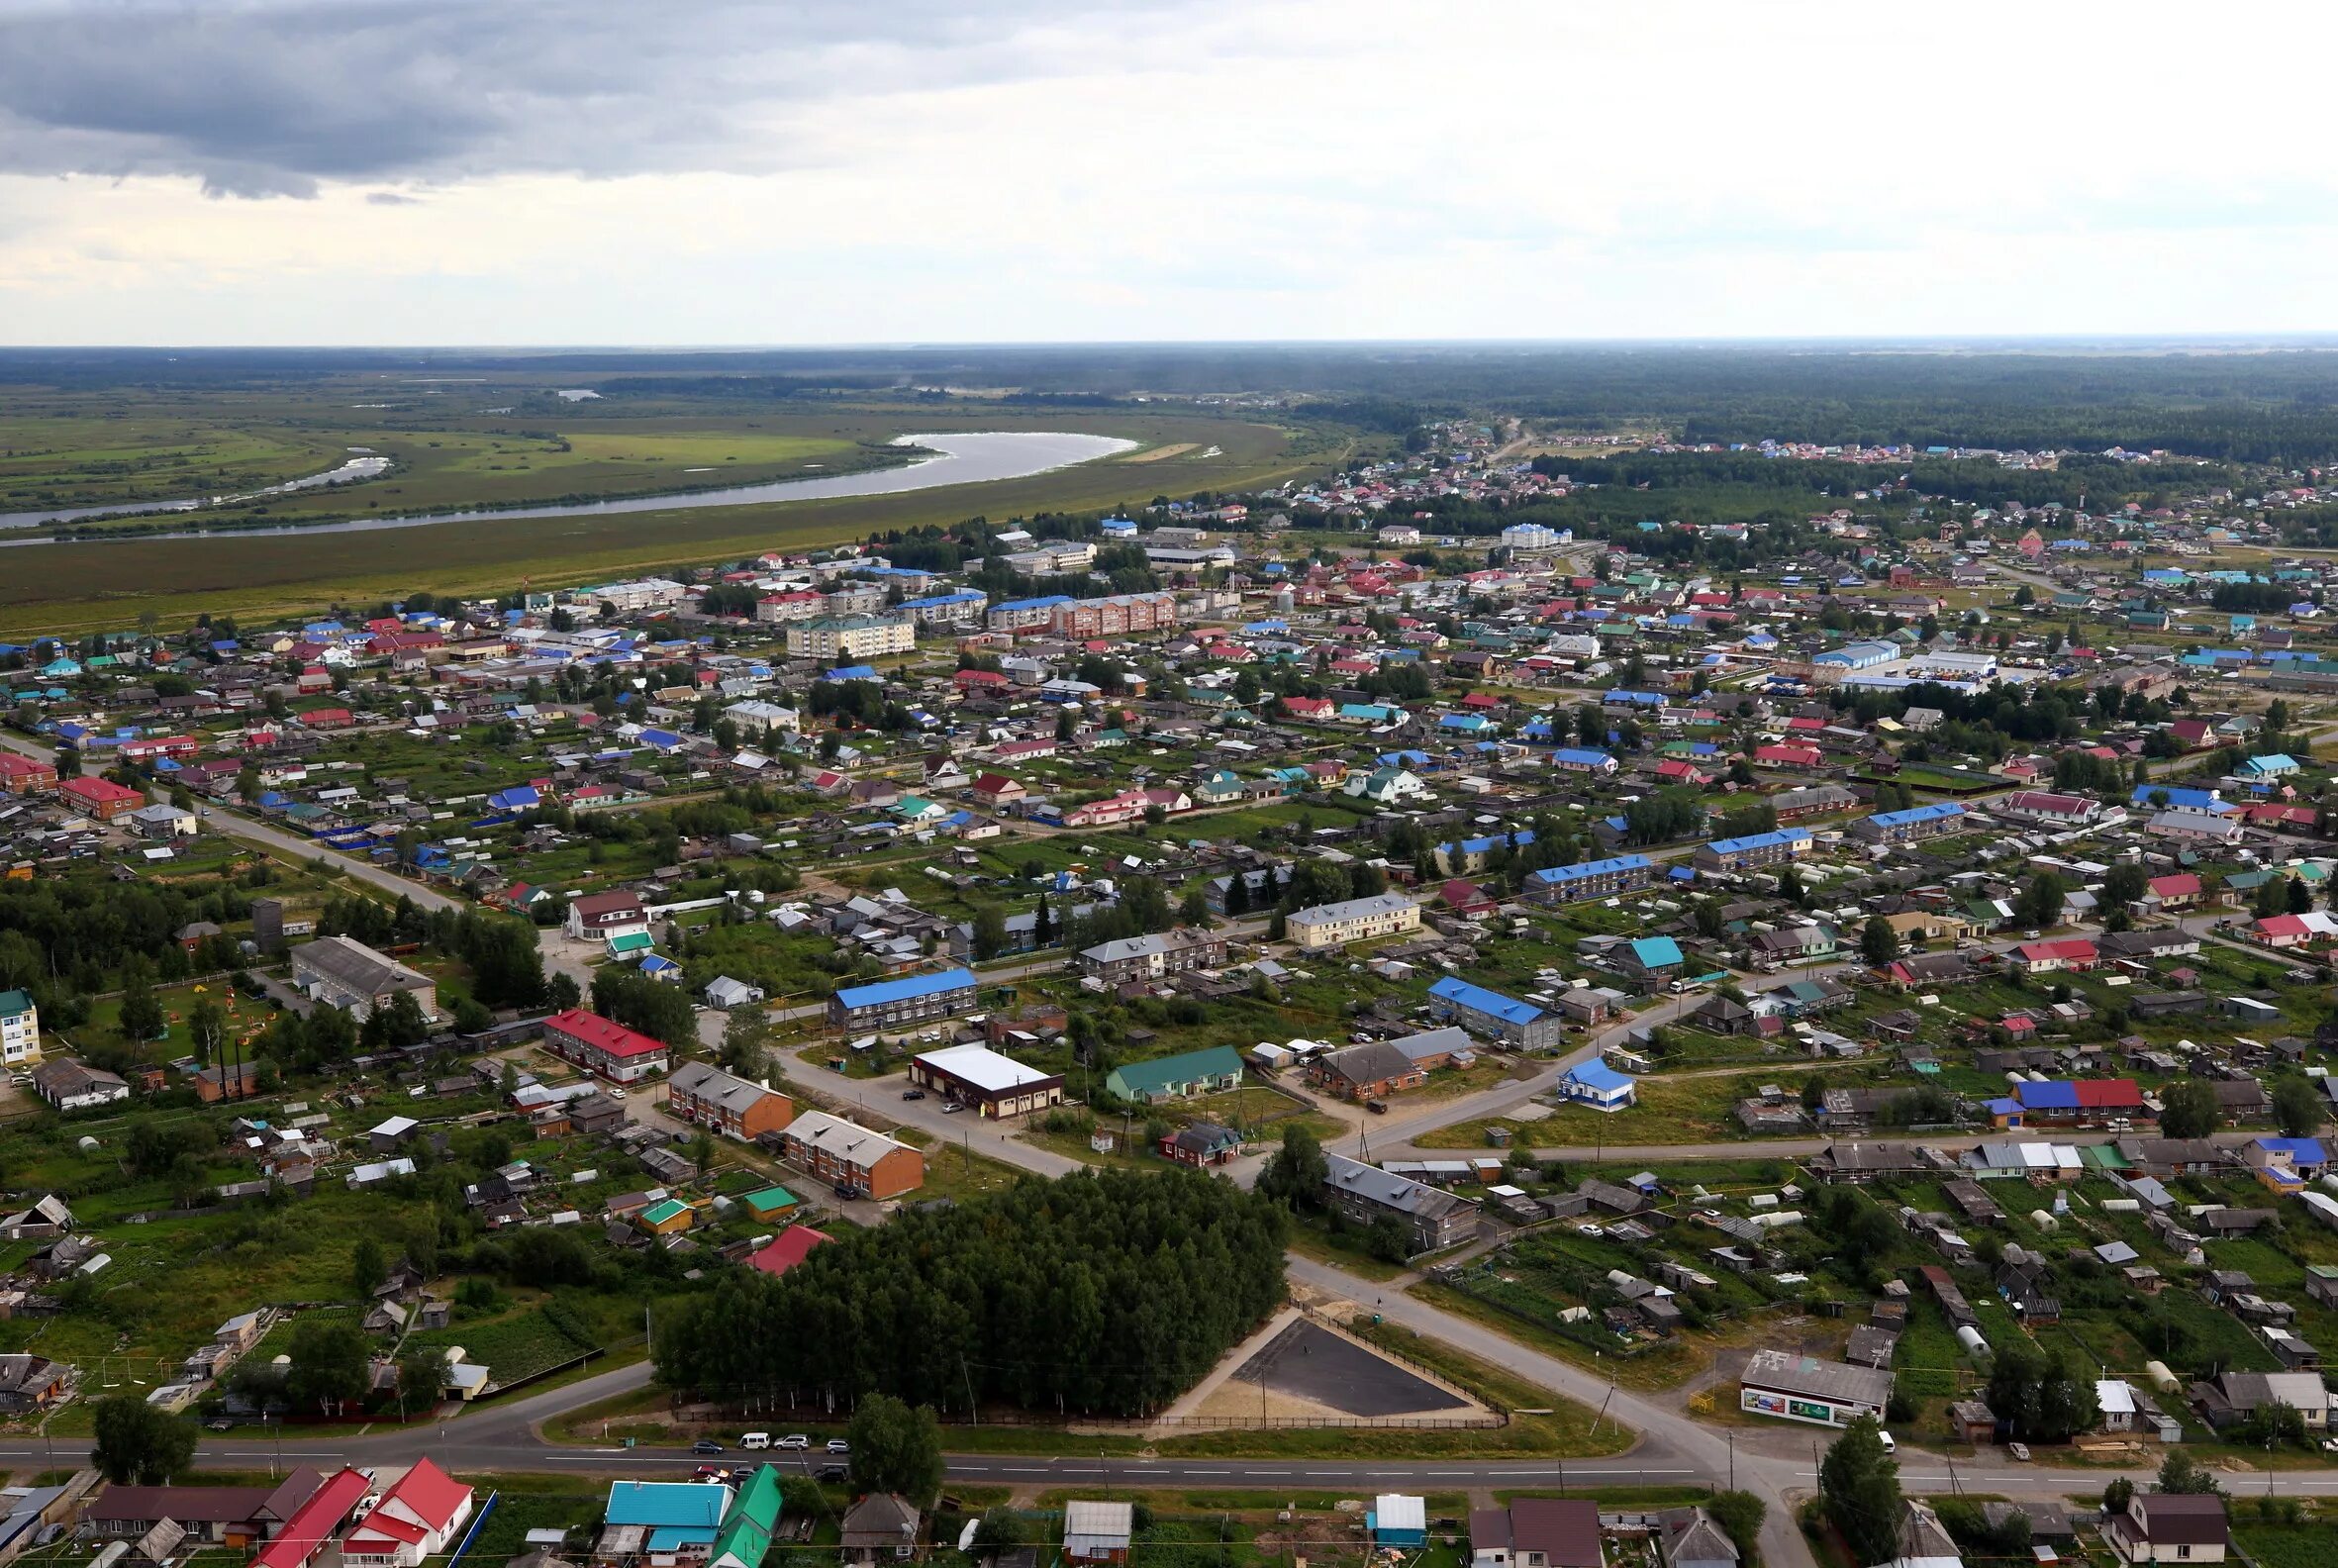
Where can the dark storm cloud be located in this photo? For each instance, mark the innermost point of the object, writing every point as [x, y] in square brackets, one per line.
[274, 97]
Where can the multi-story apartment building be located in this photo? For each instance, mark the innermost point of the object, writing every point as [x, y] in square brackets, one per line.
[1116, 616]
[1753, 850]
[1154, 956]
[963, 607]
[1363, 1193]
[1493, 1015]
[20, 1030]
[725, 1102]
[1590, 879]
[889, 1003]
[1352, 921]
[606, 1050]
[857, 636]
[1024, 615]
[853, 598]
[831, 1149]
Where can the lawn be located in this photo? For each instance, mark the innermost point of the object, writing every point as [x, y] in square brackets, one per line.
[1674, 1110]
[518, 1343]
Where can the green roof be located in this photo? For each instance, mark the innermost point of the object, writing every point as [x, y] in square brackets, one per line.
[13, 1003]
[769, 1198]
[1173, 1072]
[747, 1528]
[660, 1213]
[630, 943]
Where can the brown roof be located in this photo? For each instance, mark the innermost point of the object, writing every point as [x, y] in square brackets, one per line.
[189, 1505]
[1566, 1530]
[2181, 1518]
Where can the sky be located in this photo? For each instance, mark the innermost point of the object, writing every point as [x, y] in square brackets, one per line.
[510, 172]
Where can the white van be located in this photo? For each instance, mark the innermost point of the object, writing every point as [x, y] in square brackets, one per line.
[755, 1441]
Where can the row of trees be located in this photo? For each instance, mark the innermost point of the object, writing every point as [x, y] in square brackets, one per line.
[1102, 1294]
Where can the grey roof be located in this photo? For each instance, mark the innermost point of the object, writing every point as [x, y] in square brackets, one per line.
[1690, 1535]
[1429, 1044]
[705, 1081]
[1388, 1189]
[1808, 1375]
[1370, 1062]
[357, 967]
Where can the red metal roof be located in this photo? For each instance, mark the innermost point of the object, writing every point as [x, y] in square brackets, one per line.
[787, 1249]
[311, 1523]
[603, 1035]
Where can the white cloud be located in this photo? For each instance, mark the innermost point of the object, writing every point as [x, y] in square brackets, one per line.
[1204, 169]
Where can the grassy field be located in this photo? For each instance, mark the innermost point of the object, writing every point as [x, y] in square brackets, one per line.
[86, 586]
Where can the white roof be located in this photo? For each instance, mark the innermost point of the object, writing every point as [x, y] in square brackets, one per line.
[983, 1067]
[2115, 1395]
[1395, 1511]
[396, 1127]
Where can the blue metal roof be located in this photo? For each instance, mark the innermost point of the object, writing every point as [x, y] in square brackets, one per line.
[1586, 869]
[1760, 840]
[1480, 1000]
[1598, 1075]
[902, 990]
[1917, 814]
[2195, 799]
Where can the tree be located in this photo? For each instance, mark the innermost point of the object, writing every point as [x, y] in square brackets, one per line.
[2188, 1110]
[1859, 1492]
[2041, 1398]
[2295, 1106]
[989, 933]
[367, 1267]
[2040, 901]
[1740, 1516]
[138, 1444]
[1879, 944]
[207, 1028]
[2125, 884]
[142, 1014]
[1194, 909]
[896, 1448]
[328, 1362]
[422, 1378]
[2182, 1474]
[1295, 1174]
[2117, 1495]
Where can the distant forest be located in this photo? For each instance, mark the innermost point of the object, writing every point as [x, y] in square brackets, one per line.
[2277, 405]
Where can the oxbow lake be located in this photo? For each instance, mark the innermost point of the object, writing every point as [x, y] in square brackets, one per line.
[959, 458]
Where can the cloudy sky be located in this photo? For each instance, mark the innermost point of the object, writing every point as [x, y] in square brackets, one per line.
[706, 171]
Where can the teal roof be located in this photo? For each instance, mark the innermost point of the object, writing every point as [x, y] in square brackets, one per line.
[13, 1003]
[769, 1198]
[686, 1505]
[1168, 1072]
[1657, 953]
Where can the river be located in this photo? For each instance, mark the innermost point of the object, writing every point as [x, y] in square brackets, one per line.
[959, 458]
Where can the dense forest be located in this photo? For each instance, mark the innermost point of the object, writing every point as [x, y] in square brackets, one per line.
[1102, 1294]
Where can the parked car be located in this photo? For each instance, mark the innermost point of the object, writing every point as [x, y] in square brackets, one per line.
[952, 1108]
[837, 1445]
[2019, 1450]
[913, 1093]
[794, 1440]
[706, 1446]
[755, 1441]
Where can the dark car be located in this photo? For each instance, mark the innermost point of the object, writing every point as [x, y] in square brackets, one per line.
[835, 1472]
[706, 1446]
[913, 1093]
[1377, 1107]
[847, 1191]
